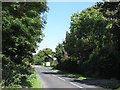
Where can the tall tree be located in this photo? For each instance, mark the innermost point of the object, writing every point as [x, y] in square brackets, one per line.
[22, 25]
[43, 56]
[111, 11]
[60, 53]
[93, 40]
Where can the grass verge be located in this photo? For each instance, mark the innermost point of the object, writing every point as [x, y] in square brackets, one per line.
[34, 81]
[118, 88]
[106, 83]
[72, 75]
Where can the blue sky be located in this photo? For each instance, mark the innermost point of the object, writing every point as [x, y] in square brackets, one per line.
[58, 21]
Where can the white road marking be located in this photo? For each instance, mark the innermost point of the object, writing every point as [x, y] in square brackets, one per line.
[76, 85]
[61, 78]
[53, 75]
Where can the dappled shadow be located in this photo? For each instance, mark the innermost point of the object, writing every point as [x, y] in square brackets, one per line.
[56, 73]
[107, 84]
[61, 74]
[103, 83]
[26, 84]
[71, 77]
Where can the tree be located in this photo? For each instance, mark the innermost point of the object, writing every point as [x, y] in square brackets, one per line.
[43, 56]
[93, 41]
[60, 53]
[87, 30]
[22, 27]
[111, 11]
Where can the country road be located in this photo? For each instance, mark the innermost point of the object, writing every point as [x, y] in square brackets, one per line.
[50, 79]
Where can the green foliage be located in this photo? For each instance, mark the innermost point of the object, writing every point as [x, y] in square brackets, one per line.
[34, 80]
[92, 45]
[60, 53]
[22, 25]
[15, 74]
[43, 56]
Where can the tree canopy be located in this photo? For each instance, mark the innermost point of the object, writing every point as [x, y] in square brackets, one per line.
[92, 45]
[22, 24]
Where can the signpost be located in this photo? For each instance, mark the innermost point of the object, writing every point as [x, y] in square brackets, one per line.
[48, 64]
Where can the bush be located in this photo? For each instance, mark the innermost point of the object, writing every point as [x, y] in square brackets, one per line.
[68, 65]
[102, 63]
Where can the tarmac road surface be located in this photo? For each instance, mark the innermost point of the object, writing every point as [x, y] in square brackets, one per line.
[51, 79]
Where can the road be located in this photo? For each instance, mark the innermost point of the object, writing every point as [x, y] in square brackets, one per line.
[50, 79]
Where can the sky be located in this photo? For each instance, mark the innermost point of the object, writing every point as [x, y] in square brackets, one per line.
[58, 22]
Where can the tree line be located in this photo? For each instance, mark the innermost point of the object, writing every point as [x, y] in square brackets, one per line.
[92, 46]
[43, 56]
[22, 26]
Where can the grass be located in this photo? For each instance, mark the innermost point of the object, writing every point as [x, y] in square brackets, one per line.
[109, 84]
[118, 88]
[77, 76]
[34, 81]
[115, 85]
[74, 75]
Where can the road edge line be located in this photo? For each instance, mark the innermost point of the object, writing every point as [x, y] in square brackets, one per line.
[76, 85]
[61, 78]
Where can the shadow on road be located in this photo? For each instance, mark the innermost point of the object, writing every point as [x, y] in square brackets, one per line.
[107, 84]
[56, 73]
